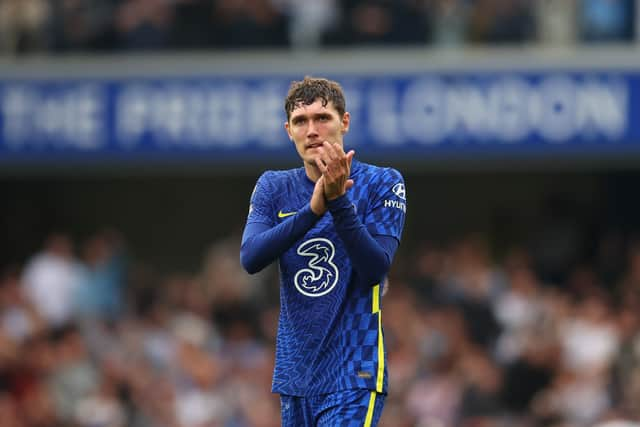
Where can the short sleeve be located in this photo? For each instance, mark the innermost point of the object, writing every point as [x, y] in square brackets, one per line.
[260, 206]
[386, 214]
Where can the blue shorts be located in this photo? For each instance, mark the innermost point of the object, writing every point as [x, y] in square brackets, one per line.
[349, 408]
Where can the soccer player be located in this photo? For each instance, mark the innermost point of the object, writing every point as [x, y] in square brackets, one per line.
[334, 225]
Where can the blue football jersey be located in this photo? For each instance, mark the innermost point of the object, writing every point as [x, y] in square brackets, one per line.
[330, 328]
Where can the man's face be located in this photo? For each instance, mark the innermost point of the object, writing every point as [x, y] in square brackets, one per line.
[310, 125]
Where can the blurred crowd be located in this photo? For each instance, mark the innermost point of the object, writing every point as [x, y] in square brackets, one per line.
[125, 25]
[89, 337]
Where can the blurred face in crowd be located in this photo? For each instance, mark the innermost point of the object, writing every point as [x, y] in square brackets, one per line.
[309, 125]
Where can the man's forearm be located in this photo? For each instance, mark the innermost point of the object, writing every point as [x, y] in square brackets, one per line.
[261, 244]
[370, 256]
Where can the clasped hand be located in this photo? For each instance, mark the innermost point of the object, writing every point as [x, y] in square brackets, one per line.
[335, 166]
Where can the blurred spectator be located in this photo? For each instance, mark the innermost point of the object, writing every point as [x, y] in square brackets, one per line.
[192, 22]
[427, 275]
[556, 246]
[309, 20]
[502, 21]
[449, 22]
[529, 374]
[73, 375]
[19, 319]
[103, 275]
[589, 340]
[435, 398]
[471, 284]
[23, 25]
[626, 367]
[575, 399]
[380, 22]
[9, 412]
[82, 25]
[611, 259]
[51, 278]
[556, 22]
[100, 408]
[405, 331]
[518, 310]
[198, 400]
[606, 20]
[223, 280]
[38, 409]
[249, 23]
[628, 289]
[143, 24]
[482, 386]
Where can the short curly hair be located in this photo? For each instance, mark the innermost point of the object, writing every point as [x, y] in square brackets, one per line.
[307, 91]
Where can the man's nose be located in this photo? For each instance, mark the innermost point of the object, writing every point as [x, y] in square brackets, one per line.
[311, 129]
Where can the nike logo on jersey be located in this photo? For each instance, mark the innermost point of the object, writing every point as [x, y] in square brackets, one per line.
[285, 214]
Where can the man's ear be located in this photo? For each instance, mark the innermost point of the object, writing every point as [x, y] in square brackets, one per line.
[286, 126]
[346, 121]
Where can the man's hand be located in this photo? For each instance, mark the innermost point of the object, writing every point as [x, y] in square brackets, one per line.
[318, 202]
[335, 166]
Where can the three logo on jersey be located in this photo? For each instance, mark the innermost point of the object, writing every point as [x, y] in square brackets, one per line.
[321, 275]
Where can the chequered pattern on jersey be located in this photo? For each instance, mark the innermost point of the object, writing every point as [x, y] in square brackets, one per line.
[350, 408]
[359, 341]
[379, 218]
[260, 209]
[327, 343]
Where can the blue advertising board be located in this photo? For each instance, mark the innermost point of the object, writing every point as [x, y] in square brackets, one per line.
[401, 116]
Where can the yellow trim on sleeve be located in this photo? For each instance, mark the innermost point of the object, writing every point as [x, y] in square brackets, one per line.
[375, 307]
[372, 405]
[376, 299]
[380, 355]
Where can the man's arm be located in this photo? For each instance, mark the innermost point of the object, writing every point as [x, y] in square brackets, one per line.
[370, 256]
[263, 244]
